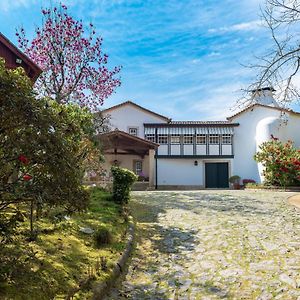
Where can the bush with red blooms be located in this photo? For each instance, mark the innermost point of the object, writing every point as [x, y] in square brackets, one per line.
[281, 162]
[246, 181]
[43, 147]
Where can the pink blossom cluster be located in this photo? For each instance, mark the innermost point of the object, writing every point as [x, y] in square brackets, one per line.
[73, 64]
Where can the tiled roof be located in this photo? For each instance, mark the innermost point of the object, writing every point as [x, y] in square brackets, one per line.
[197, 122]
[192, 123]
[138, 106]
[262, 105]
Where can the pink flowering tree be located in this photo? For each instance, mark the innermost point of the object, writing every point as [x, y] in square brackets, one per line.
[73, 63]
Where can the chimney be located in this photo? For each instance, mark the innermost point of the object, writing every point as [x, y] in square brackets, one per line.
[264, 96]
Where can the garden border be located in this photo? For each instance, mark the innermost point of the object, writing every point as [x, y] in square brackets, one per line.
[100, 290]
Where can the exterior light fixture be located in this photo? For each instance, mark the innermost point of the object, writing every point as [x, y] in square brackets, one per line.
[196, 163]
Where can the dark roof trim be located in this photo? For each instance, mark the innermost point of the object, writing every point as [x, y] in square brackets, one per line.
[6, 42]
[138, 106]
[195, 156]
[262, 105]
[267, 88]
[225, 124]
[129, 136]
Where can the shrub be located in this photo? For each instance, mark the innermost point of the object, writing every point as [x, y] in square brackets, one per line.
[102, 237]
[281, 163]
[235, 179]
[122, 182]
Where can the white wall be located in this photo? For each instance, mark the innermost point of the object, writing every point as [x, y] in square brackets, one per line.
[126, 161]
[129, 115]
[246, 138]
[179, 172]
[293, 127]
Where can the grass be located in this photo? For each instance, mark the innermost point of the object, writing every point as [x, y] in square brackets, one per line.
[62, 257]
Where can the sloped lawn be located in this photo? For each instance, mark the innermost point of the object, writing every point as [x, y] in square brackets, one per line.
[62, 257]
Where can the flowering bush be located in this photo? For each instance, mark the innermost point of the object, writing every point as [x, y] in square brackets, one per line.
[246, 181]
[281, 162]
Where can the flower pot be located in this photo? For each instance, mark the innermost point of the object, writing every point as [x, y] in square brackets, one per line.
[236, 186]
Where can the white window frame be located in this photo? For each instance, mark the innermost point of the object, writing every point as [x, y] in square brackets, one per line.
[163, 139]
[188, 139]
[175, 139]
[214, 139]
[226, 139]
[150, 137]
[132, 128]
[199, 137]
[137, 170]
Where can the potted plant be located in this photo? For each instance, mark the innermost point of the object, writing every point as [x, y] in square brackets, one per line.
[235, 181]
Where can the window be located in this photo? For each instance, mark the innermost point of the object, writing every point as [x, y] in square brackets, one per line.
[133, 131]
[214, 139]
[226, 139]
[138, 167]
[201, 139]
[150, 137]
[163, 139]
[175, 139]
[188, 139]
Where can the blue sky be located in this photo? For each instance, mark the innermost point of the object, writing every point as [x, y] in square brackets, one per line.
[182, 58]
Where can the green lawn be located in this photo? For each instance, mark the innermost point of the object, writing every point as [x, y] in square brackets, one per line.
[62, 256]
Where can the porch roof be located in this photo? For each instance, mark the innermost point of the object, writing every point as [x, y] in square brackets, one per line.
[118, 141]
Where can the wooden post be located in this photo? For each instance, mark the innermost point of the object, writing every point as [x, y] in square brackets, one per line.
[151, 167]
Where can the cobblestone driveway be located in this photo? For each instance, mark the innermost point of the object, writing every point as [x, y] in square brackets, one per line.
[214, 245]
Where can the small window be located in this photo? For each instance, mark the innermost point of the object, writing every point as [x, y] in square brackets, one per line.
[226, 139]
[163, 139]
[188, 139]
[175, 139]
[214, 139]
[133, 131]
[150, 137]
[201, 139]
[138, 167]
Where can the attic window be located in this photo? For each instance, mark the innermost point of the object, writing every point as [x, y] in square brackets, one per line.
[133, 131]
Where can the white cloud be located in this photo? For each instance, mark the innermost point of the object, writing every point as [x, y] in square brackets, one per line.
[245, 26]
[9, 5]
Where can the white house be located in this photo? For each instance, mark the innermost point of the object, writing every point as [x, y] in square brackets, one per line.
[195, 154]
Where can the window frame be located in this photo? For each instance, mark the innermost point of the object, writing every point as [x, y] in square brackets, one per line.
[185, 137]
[135, 169]
[224, 137]
[133, 128]
[150, 137]
[160, 136]
[175, 136]
[201, 136]
[211, 137]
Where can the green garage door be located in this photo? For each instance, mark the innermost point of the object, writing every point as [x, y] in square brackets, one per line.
[216, 175]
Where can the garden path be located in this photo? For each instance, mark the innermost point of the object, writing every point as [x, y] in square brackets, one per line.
[214, 245]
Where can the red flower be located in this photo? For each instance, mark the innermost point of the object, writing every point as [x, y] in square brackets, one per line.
[27, 177]
[23, 159]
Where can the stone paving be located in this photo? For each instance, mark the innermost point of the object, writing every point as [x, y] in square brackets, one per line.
[214, 245]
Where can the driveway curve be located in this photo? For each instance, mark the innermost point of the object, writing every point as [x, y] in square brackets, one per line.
[213, 245]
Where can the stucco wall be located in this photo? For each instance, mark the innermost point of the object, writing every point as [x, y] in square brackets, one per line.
[256, 126]
[126, 161]
[179, 172]
[128, 115]
[184, 172]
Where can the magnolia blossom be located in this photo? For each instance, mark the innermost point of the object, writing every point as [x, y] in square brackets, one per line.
[73, 64]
